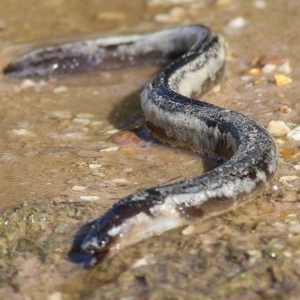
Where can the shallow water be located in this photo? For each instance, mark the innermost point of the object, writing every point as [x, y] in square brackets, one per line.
[58, 145]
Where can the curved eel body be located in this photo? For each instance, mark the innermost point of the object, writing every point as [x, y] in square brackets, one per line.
[195, 60]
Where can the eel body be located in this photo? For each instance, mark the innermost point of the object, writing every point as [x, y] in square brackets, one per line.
[194, 61]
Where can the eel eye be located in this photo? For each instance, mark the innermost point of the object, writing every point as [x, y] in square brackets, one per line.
[104, 241]
[95, 244]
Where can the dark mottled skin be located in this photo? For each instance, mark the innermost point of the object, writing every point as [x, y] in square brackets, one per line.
[195, 59]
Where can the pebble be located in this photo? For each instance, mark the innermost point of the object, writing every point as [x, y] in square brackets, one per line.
[112, 131]
[294, 134]
[6, 157]
[140, 263]
[98, 174]
[252, 72]
[27, 83]
[82, 121]
[285, 109]
[60, 198]
[89, 198]
[288, 178]
[110, 149]
[284, 68]
[78, 188]
[55, 296]
[148, 259]
[120, 181]
[279, 225]
[288, 152]
[254, 256]
[268, 68]
[287, 254]
[259, 4]
[281, 80]
[236, 23]
[127, 138]
[22, 132]
[188, 230]
[95, 166]
[278, 246]
[295, 228]
[277, 128]
[297, 167]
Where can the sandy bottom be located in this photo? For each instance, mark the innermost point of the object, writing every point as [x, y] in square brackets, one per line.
[71, 147]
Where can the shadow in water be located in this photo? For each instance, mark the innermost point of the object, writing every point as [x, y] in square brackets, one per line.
[128, 115]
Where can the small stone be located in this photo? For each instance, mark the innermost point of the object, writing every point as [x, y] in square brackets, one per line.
[110, 149]
[82, 121]
[188, 230]
[23, 133]
[294, 134]
[238, 22]
[55, 296]
[127, 138]
[98, 174]
[120, 181]
[95, 166]
[268, 68]
[281, 80]
[259, 4]
[297, 167]
[295, 228]
[252, 71]
[140, 263]
[112, 131]
[78, 188]
[288, 152]
[280, 141]
[285, 109]
[288, 178]
[60, 198]
[284, 68]
[89, 198]
[27, 83]
[278, 246]
[254, 256]
[277, 128]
